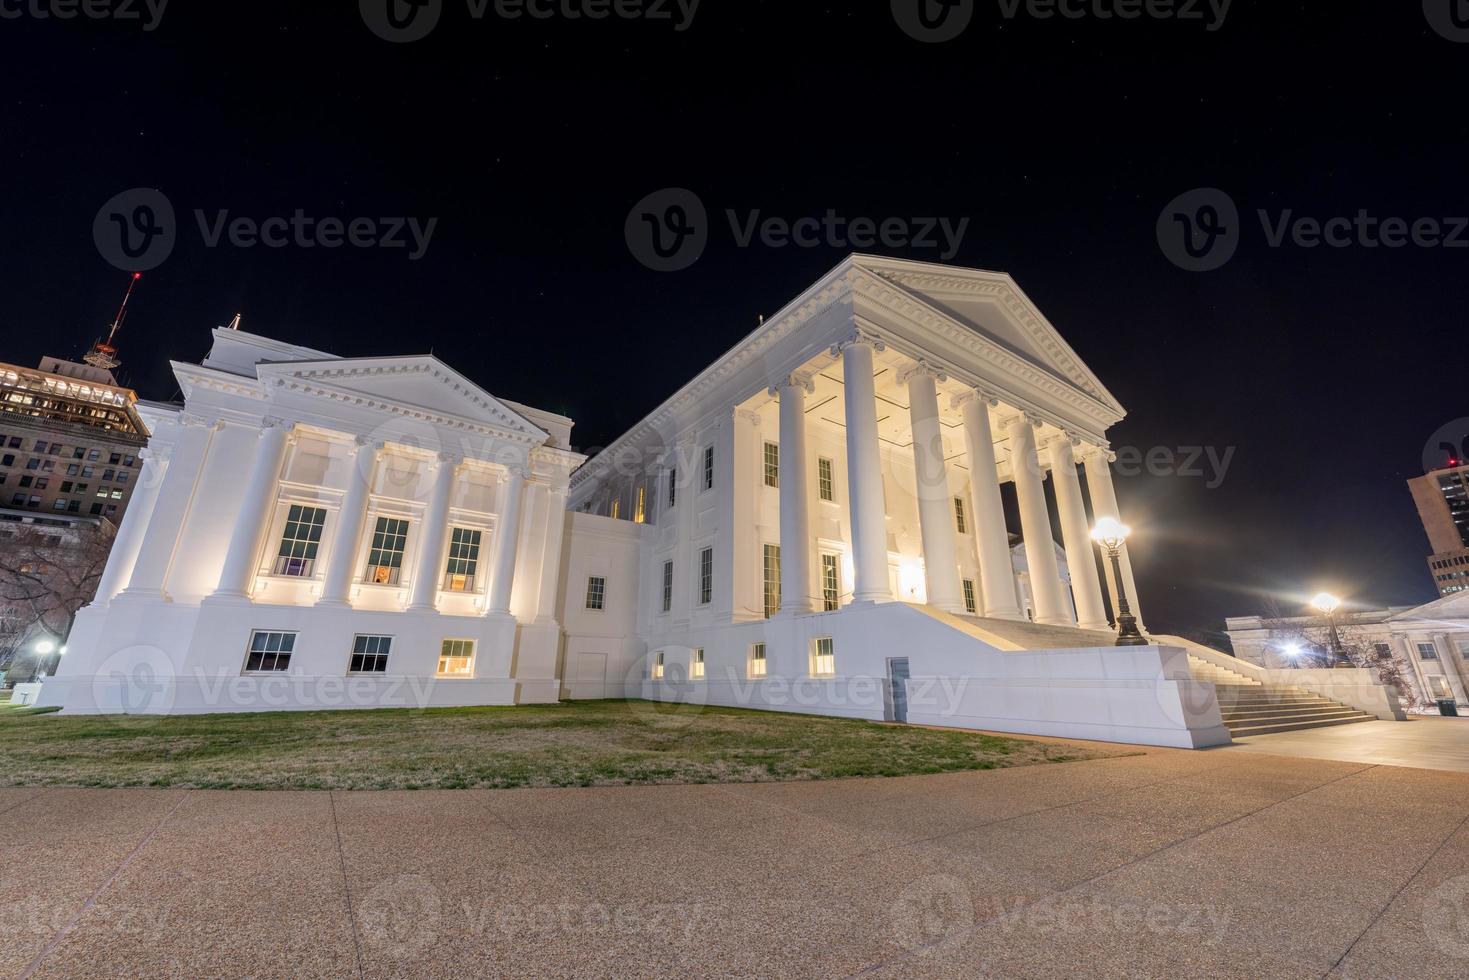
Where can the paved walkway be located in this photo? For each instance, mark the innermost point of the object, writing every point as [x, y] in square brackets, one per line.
[1423, 742]
[1164, 864]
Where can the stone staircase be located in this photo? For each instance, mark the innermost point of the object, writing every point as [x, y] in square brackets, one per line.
[1252, 708]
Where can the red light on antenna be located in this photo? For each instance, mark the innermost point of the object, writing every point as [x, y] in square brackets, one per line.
[137, 275]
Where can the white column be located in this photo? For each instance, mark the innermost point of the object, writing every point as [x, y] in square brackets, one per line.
[362, 464]
[130, 536]
[551, 561]
[795, 517]
[430, 568]
[1104, 504]
[1091, 613]
[935, 503]
[240, 561]
[864, 470]
[996, 572]
[170, 511]
[1449, 657]
[507, 537]
[1035, 526]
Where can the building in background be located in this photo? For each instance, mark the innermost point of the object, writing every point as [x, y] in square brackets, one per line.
[1432, 640]
[70, 438]
[1442, 497]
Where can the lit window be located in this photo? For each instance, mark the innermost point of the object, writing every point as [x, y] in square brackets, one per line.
[708, 467]
[825, 486]
[1427, 651]
[772, 579]
[706, 576]
[299, 541]
[270, 651]
[385, 558]
[959, 520]
[456, 658]
[667, 586]
[658, 666]
[823, 658]
[969, 603]
[757, 660]
[370, 654]
[696, 668]
[639, 510]
[463, 565]
[772, 465]
[596, 592]
[831, 583]
[615, 511]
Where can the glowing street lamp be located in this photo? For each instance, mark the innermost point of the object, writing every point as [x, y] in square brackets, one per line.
[1327, 604]
[1111, 534]
[45, 647]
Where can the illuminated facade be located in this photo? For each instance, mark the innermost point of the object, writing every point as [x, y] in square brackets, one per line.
[70, 438]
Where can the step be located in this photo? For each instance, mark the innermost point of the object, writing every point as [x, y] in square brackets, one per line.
[1271, 702]
[1269, 712]
[1295, 726]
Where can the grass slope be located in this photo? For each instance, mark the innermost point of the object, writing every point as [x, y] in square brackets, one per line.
[586, 743]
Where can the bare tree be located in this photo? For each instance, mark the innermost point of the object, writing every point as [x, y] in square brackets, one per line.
[1313, 641]
[47, 574]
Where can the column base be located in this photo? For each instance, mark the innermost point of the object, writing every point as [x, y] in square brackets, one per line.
[332, 604]
[420, 609]
[1056, 621]
[142, 595]
[227, 599]
[1099, 627]
[873, 597]
[1013, 615]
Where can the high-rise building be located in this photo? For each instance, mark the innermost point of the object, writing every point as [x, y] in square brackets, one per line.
[70, 438]
[1442, 497]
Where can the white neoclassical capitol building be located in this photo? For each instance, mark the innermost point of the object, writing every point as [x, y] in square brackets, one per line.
[814, 523]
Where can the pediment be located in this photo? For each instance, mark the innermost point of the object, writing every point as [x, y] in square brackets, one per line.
[992, 306]
[423, 384]
[1449, 609]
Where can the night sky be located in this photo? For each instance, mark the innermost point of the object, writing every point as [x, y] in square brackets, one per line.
[1325, 370]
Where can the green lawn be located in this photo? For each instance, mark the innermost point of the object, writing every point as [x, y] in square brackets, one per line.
[586, 743]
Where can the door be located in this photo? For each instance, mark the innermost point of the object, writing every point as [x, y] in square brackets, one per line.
[589, 676]
[898, 686]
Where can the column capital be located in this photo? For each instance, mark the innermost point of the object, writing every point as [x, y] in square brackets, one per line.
[974, 394]
[1064, 436]
[859, 336]
[513, 471]
[452, 459]
[1032, 419]
[271, 422]
[920, 368]
[798, 379]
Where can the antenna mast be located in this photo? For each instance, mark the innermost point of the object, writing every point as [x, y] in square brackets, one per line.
[104, 353]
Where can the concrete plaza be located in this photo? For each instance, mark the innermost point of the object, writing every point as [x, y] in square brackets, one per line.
[1161, 864]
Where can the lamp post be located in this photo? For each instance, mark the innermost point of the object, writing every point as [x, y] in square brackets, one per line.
[1111, 534]
[1327, 604]
[43, 647]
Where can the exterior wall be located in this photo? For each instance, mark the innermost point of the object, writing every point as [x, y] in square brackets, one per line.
[603, 652]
